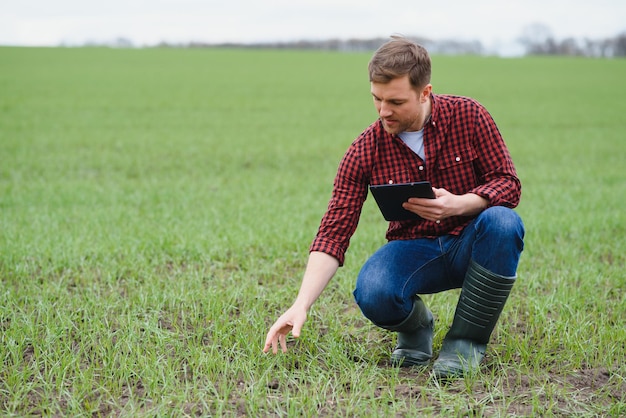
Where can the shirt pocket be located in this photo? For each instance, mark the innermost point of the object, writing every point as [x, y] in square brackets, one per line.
[456, 170]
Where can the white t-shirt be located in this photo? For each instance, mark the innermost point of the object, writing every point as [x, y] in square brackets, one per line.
[415, 141]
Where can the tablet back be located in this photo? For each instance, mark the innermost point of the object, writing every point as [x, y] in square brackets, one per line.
[390, 198]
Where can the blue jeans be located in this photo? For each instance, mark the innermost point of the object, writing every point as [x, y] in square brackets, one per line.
[401, 269]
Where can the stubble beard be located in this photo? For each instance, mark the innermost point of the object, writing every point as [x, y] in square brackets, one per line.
[399, 127]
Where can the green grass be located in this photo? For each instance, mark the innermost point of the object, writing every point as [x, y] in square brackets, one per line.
[156, 208]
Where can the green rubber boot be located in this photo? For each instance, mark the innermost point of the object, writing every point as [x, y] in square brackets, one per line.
[482, 298]
[415, 337]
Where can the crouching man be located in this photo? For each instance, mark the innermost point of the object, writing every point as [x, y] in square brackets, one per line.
[468, 237]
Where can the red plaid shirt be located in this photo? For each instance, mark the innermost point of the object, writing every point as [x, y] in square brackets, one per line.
[465, 153]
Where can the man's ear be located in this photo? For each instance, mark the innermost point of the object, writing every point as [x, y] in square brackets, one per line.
[425, 93]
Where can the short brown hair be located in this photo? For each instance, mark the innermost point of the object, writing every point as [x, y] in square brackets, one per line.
[399, 57]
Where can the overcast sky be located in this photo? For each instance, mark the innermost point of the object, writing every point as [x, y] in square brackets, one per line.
[148, 22]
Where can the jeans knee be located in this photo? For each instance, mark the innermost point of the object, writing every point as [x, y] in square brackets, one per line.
[378, 302]
[370, 302]
[499, 240]
[502, 221]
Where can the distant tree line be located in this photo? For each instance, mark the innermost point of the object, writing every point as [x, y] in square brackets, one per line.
[536, 39]
[447, 47]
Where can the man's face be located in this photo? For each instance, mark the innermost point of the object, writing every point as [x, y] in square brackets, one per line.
[399, 106]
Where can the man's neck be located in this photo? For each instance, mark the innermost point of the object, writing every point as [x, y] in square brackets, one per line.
[428, 106]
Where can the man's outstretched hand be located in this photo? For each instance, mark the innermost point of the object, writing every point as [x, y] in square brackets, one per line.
[291, 321]
[319, 270]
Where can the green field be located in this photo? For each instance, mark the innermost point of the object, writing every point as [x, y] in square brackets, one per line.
[156, 208]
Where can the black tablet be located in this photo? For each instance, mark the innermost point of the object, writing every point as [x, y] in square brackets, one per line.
[390, 198]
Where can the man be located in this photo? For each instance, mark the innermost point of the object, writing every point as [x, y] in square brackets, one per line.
[469, 237]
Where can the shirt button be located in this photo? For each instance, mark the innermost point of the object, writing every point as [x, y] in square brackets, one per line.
[390, 181]
[438, 221]
[458, 159]
[421, 167]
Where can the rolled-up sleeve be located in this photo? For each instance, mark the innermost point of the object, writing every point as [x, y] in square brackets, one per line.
[499, 182]
[344, 209]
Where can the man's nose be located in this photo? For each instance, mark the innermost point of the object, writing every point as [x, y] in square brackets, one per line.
[384, 111]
